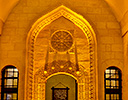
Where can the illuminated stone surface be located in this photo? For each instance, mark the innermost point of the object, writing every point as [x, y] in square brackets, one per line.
[92, 62]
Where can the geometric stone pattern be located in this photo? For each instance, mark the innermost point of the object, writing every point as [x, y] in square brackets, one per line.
[86, 80]
[82, 78]
[61, 41]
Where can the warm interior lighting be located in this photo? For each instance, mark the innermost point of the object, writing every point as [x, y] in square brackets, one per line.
[77, 72]
[61, 66]
[45, 72]
[53, 67]
[70, 68]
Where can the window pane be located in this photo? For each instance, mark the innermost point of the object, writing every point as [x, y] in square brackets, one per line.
[15, 74]
[9, 96]
[107, 71]
[9, 81]
[117, 76]
[15, 82]
[118, 96]
[5, 75]
[10, 74]
[112, 70]
[10, 69]
[117, 83]
[16, 69]
[14, 96]
[4, 95]
[112, 80]
[107, 75]
[115, 96]
[107, 82]
[116, 72]
[113, 83]
[112, 97]
[5, 82]
[107, 97]
[10, 85]
[113, 75]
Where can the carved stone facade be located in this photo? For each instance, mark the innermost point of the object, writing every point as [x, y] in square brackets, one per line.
[81, 64]
[26, 37]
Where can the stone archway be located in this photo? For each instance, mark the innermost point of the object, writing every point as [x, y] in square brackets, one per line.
[65, 86]
[35, 80]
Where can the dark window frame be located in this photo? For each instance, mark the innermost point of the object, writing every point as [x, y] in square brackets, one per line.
[55, 89]
[9, 89]
[113, 90]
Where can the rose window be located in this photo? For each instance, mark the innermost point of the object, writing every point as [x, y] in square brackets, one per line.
[61, 41]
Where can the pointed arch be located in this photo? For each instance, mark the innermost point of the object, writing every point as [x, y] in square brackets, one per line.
[45, 20]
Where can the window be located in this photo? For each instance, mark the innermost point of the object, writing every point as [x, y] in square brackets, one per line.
[9, 83]
[112, 84]
[60, 93]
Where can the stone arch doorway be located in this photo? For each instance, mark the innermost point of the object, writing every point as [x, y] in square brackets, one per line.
[59, 83]
[76, 58]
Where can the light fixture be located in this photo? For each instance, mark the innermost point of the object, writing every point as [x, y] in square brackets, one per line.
[53, 67]
[70, 68]
[61, 66]
[45, 72]
[77, 72]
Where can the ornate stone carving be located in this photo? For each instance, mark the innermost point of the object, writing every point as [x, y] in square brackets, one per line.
[61, 41]
[33, 81]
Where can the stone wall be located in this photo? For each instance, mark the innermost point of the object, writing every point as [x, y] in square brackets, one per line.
[97, 12]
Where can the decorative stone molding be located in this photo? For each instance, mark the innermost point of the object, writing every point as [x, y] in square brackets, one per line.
[35, 84]
[1, 26]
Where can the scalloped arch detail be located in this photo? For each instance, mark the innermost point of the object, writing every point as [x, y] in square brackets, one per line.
[45, 20]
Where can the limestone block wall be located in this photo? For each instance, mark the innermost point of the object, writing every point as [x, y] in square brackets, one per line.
[43, 43]
[97, 12]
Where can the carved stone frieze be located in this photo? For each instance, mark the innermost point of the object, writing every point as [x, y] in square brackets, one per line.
[86, 80]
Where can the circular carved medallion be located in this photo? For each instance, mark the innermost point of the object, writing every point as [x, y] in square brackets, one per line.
[61, 41]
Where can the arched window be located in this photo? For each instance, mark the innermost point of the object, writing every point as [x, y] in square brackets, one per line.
[113, 84]
[9, 90]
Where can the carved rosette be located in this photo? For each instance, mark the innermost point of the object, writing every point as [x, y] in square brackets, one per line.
[61, 41]
[32, 85]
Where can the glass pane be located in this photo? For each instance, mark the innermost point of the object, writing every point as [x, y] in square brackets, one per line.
[116, 71]
[14, 96]
[117, 76]
[10, 74]
[5, 82]
[15, 82]
[4, 95]
[112, 97]
[9, 96]
[113, 83]
[107, 75]
[117, 83]
[113, 75]
[107, 82]
[10, 69]
[107, 96]
[112, 70]
[5, 75]
[9, 81]
[15, 74]
[117, 96]
[107, 71]
[16, 69]
[107, 87]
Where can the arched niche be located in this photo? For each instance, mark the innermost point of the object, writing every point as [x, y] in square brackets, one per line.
[36, 76]
[60, 83]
